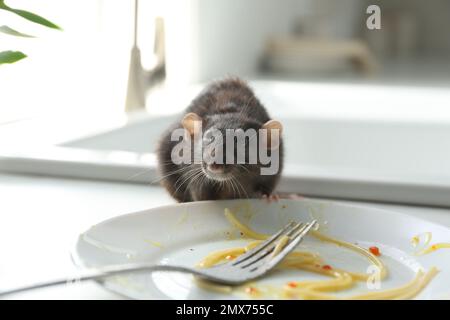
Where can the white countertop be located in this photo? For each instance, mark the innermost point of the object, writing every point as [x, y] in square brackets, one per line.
[41, 217]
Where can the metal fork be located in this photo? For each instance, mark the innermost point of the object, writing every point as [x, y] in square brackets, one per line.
[253, 264]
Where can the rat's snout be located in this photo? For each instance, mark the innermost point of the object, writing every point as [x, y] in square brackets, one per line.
[216, 168]
[215, 171]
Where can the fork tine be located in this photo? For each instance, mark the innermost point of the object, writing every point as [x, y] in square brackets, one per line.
[263, 253]
[263, 245]
[295, 230]
[295, 241]
[302, 232]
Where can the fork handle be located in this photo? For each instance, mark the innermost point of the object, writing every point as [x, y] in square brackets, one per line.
[101, 273]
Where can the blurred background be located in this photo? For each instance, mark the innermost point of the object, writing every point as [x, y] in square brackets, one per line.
[85, 67]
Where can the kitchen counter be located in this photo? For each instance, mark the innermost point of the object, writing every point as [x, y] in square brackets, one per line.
[41, 217]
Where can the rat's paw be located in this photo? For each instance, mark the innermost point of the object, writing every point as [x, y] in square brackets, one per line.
[295, 196]
[271, 198]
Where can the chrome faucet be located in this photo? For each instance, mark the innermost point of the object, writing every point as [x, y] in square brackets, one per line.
[141, 80]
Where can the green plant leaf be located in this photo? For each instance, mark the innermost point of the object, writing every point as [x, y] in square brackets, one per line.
[29, 16]
[12, 32]
[11, 56]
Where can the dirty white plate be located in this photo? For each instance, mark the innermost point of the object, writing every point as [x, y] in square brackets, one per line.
[183, 234]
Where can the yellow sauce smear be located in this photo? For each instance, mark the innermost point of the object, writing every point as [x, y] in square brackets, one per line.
[154, 243]
[312, 262]
[435, 247]
[423, 249]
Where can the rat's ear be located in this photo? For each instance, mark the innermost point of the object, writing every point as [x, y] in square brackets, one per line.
[269, 126]
[189, 123]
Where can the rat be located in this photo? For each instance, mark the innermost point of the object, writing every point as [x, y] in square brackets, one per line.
[227, 105]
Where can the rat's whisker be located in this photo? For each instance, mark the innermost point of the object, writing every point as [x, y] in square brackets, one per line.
[230, 184]
[168, 175]
[244, 193]
[188, 176]
[138, 174]
[243, 189]
[243, 167]
[198, 177]
[182, 177]
[146, 171]
[237, 188]
[180, 170]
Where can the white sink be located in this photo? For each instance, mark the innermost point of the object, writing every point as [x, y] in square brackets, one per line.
[332, 153]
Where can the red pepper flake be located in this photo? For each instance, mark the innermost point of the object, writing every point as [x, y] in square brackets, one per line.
[230, 257]
[292, 284]
[326, 267]
[251, 290]
[375, 251]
